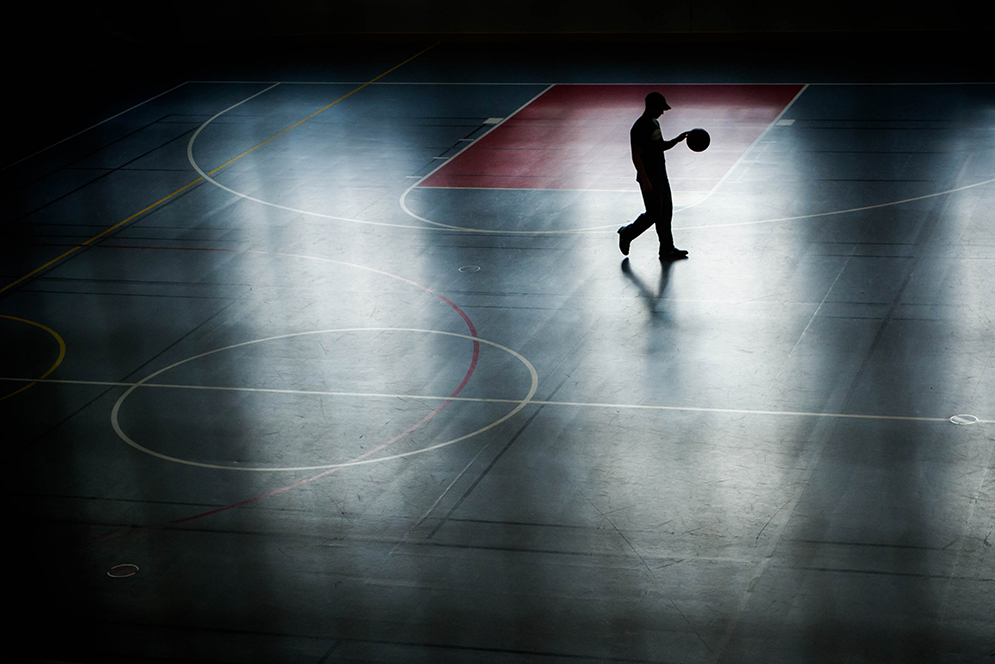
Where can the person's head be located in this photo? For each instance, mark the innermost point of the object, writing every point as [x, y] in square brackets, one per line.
[656, 104]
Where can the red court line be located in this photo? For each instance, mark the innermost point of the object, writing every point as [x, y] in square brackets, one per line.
[459, 388]
[577, 137]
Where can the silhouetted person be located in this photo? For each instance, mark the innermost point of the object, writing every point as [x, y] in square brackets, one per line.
[648, 146]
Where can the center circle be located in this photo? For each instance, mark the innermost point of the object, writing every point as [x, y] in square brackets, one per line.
[115, 422]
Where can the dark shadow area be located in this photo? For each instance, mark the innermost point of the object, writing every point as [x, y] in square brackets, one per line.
[650, 297]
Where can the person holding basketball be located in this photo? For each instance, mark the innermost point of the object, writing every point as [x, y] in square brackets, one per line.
[648, 145]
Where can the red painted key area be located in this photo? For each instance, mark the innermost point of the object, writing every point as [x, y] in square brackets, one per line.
[577, 137]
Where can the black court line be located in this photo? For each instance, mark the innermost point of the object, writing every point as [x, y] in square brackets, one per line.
[89, 247]
[383, 642]
[150, 282]
[871, 572]
[94, 126]
[140, 501]
[486, 470]
[871, 544]
[328, 653]
[113, 294]
[510, 442]
[13, 454]
[87, 154]
[107, 173]
[525, 551]
[929, 227]
[169, 347]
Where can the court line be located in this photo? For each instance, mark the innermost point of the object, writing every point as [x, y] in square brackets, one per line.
[120, 223]
[748, 150]
[58, 361]
[466, 319]
[321, 215]
[361, 460]
[361, 457]
[606, 229]
[207, 176]
[199, 179]
[815, 314]
[835, 212]
[296, 124]
[96, 237]
[438, 226]
[697, 300]
[11, 165]
[461, 151]
[494, 400]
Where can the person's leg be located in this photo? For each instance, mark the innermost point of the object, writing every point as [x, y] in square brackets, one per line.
[664, 217]
[626, 234]
[663, 224]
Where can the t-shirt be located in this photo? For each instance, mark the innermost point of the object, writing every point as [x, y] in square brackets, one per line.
[645, 133]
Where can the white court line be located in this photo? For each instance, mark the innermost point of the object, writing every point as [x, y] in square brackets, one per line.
[437, 226]
[811, 320]
[208, 178]
[519, 404]
[835, 212]
[92, 127]
[464, 149]
[748, 150]
[423, 397]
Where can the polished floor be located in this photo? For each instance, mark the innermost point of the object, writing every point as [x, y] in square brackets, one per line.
[336, 359]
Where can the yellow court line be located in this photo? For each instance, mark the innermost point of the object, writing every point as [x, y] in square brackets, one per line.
[323, 109]
[58, 361]
[187, 186]
[98, 236]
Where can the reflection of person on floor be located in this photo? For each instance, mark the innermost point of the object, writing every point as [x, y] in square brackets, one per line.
[644, 290]
[648, 146]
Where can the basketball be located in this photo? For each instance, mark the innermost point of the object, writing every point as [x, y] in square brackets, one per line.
[698, 140]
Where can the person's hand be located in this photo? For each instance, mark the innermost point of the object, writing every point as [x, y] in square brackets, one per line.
[683, 136]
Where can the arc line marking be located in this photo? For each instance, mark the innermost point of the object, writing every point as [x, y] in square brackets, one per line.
[462, 150]
[207, 176]
[835, 212]
[58, 361]
[115, 423]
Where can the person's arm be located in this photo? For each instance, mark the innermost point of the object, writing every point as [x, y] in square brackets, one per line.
[671, 143]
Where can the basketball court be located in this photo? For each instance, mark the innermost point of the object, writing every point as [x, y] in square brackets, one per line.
[342, 363]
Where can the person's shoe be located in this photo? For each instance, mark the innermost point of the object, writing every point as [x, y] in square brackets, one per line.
[623, 242]
[673, 254]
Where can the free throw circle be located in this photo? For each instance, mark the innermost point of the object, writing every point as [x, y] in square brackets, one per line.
[115, 411]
